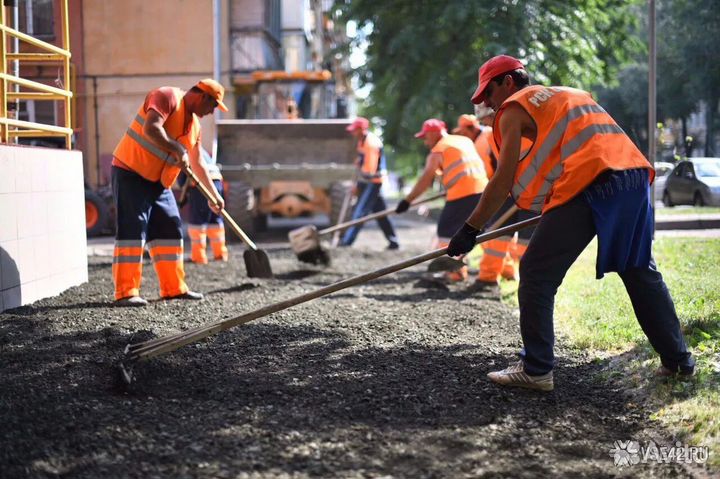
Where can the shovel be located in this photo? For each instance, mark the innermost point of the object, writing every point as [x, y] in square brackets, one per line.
[257, 263]
[156, 347]
[449, 264]
[305, 241]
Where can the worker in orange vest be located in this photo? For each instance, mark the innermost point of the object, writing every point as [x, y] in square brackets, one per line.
[205, 225]
[587, 178]
[163, 136]
[371, 172]
[501, 256]
[463, 177]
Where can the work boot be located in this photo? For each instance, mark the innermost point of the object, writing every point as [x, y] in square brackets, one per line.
[665, 372]
[191, 295]
[393, 245]
[486, 288]
[515, 375]
[131, 301]
[456, 276]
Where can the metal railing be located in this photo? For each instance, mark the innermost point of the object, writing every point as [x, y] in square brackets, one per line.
[33, 90]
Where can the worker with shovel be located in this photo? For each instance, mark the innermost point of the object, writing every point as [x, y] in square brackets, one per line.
[163, 137]
[204, 223]
[501, 256]
[587, 178]
[371, 173]
[463, 177]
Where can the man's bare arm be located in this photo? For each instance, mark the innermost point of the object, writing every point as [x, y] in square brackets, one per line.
[497, 190]
[432, 163]
[199, 168]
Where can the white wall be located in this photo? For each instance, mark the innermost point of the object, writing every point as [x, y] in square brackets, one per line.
[43, 248]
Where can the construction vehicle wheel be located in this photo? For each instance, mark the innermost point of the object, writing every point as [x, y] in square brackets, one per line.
[337, 192]
[97, 213]
[240, 205]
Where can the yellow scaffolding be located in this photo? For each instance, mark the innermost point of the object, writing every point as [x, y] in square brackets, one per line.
[12, 128]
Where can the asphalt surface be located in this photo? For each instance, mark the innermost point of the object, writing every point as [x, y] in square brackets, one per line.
[383, 380]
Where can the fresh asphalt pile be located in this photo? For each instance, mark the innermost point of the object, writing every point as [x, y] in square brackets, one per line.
[386, 379]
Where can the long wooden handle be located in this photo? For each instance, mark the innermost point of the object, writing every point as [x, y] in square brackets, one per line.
[160, 346]
[211, 198]
[373, 216]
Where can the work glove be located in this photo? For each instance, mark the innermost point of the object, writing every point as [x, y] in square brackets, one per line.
[463, 241]
[402, 206]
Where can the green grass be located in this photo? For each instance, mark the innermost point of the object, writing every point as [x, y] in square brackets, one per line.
[597, 315]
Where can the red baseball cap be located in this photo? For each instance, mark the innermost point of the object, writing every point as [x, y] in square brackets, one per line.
[433, 124]
[490, 69]
[215, 90]
[359, 123]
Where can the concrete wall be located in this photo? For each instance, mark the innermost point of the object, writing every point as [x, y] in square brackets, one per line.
[43, 249]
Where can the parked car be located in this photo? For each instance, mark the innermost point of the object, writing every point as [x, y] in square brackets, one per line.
[695, 181]
[662, 170]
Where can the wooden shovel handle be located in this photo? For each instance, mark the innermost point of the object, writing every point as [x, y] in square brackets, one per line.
[211, 198]
[156, 347]
[373, 216]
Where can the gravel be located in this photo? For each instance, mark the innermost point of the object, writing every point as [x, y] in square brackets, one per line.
[384, 380]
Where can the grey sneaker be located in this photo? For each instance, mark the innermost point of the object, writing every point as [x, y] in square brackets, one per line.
[515, 375]
[131, 301]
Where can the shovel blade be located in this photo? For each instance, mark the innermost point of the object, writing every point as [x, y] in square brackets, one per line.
[257, 264]
[445, 263]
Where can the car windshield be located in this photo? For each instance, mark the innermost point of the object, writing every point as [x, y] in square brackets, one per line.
[707, 168]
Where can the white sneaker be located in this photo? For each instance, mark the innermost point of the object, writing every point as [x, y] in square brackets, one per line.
[515, 375]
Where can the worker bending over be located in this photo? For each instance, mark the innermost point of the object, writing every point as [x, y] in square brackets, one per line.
[463, 177]
[587, 178]
[163, 137]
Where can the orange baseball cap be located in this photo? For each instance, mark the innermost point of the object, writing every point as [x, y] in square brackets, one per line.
[467, 120]
[490, 69]
[358, 123]
[215, 90]
[433, 124]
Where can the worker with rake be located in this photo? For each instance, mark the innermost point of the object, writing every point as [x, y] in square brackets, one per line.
[587, 178]
[463, 177]
[163, 137]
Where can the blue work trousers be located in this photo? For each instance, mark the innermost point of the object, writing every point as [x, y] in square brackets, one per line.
[560, 237]
[369, 201]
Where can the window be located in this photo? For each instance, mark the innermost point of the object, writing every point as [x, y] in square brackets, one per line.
[36, 18]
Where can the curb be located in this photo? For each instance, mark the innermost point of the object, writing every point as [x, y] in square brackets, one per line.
[688, 223]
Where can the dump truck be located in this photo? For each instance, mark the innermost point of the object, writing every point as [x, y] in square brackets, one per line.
[284, 168]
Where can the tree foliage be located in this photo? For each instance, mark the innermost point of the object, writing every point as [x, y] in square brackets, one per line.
[423, 55]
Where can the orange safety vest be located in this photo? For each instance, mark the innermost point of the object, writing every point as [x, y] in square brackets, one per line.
[148, 160]
[483, 145]
[463, 172]
[576, 140]
[371, 159]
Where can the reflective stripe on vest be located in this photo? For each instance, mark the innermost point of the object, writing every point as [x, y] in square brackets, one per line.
[159, 153]
[463, 172]
[142, 156]
[568, 152]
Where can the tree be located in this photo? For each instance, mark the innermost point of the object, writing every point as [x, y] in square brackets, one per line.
[423, 55]
[689, 59]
